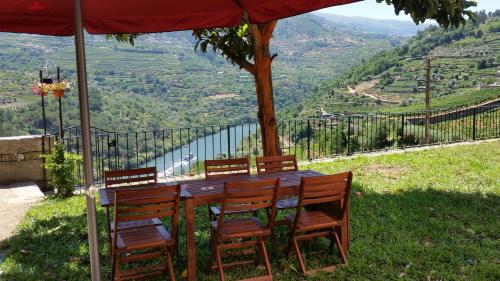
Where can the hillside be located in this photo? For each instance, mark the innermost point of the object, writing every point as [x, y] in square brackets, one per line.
[464, 70]
[162, 82]
[368, 25]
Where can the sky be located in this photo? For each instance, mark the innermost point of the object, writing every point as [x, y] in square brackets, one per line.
[372, 9]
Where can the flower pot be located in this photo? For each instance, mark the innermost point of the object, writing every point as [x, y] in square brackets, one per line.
[58, 93]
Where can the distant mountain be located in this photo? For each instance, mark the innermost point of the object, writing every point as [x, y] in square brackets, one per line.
[362, 24]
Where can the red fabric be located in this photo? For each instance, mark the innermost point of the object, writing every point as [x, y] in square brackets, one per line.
[55, 17]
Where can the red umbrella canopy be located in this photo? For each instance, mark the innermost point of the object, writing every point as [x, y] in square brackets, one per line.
[55, 17]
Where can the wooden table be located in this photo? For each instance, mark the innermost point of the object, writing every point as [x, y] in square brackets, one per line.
[209, 191]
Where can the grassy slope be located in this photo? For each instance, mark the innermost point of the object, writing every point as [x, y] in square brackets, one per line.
[428, 215]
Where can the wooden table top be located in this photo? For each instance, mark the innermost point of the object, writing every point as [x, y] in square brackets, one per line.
[211, 189]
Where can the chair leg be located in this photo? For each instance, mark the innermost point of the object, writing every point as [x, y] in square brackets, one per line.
[299, 256]
[268, 214]
[219, 264]
[213, 251]
[210, 216]
[266, 258]
[115, 267]
[108, 230]
[170, 265]
[339, 245]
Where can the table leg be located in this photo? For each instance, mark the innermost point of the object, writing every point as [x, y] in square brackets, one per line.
[190, 241]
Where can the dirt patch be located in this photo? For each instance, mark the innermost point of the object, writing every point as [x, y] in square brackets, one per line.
[224, 96]
[387, 171]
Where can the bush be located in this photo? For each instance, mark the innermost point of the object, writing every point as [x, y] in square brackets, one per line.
[381, 137]
[61, 167]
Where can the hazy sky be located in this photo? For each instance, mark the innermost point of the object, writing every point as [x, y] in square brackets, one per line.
[372, 9]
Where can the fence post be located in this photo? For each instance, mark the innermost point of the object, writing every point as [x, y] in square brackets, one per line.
[474, 123]
[308, 139]
[402, 145]
[348, 135]
[228, 141]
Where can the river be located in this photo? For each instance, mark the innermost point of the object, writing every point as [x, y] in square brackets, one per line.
[209, 147]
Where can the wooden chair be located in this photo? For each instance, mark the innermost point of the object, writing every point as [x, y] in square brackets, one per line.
[129, 178]
[273, 164]
[237, 233]
[138, 247]
[217, 169]
[327, 202]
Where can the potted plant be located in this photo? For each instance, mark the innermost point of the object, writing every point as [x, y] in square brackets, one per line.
[58, 89]
[61, 167]
[40, 89]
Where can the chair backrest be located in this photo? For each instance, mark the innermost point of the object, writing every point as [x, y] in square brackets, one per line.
[119, 178]
[148, 203]
[249, 196]
[325, 190]
[226, 167]
[273, 164]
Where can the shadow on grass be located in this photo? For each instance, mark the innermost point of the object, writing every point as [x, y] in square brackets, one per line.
[411, 235]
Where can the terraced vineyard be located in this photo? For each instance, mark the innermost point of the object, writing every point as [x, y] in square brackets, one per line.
[464, 71]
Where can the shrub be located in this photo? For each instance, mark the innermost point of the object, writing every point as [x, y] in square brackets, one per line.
[381, 137]
[61, 167]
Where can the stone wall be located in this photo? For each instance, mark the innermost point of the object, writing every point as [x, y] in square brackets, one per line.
[20, 159]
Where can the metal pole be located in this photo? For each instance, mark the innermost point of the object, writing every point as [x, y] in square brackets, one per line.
[85, 134]
[43, 107]
[427, 89]
[61, 130]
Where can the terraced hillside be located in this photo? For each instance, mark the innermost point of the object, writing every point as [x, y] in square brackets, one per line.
[464, 70]
[161, 82]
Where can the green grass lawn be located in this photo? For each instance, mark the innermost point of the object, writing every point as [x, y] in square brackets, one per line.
[426, 215]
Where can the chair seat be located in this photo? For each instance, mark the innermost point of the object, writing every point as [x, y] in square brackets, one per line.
[241, 228]
[144, 237]
[133, 224]
[287, 203]
[314, 220]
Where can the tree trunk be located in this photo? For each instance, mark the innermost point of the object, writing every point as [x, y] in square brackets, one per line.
[264, 87]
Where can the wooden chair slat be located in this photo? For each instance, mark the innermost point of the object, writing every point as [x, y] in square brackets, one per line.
[274, 165]
[145, 200]
[163, 206]
[130, 180]
[227, 169]
[130, 172]
[248, 193]
[324, 199]
[145, 216]
[249, 207]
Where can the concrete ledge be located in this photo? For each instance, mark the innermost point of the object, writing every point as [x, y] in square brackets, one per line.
[20, 158]
[15, 200]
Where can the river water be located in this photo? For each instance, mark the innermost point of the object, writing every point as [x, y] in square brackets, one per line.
[204, 148]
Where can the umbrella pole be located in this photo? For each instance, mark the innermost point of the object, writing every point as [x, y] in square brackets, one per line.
[85, 134]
